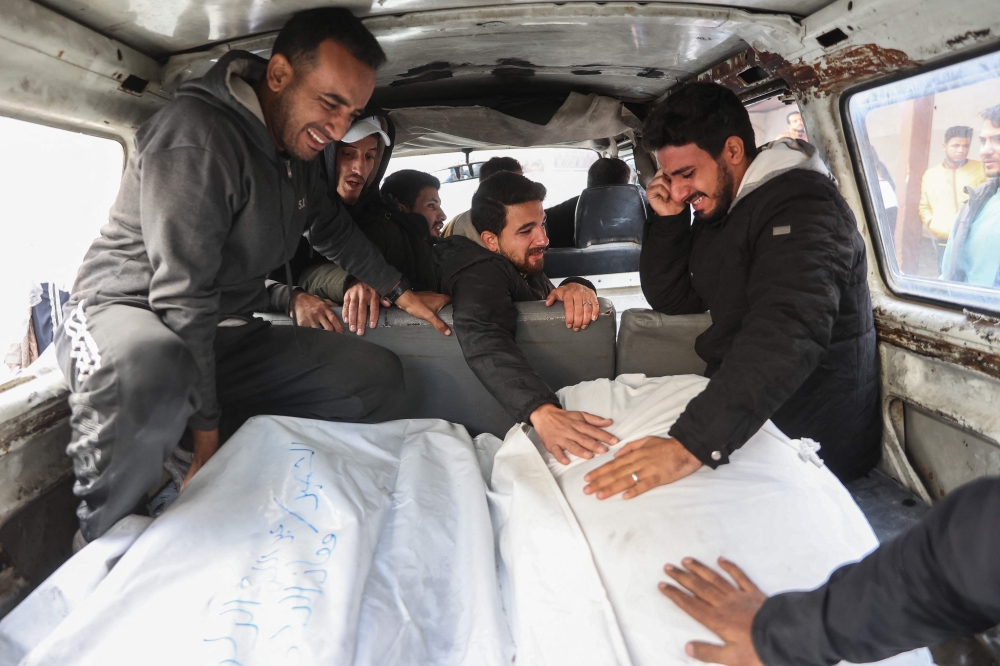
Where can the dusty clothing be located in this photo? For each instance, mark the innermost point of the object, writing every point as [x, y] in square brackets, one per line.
[403, 238]
[484, 287]
[207, 207]
[966, 257]
[942, 194]
[132, 382]
[792, 339]
[940, 580]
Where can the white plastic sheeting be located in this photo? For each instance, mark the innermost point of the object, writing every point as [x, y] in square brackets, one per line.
[580, 574]
[309, 543]
[443, 128]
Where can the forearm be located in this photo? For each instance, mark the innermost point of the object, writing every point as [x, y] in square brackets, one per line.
[663, 266]
[938, 581]
[494, 357]
[335, 236]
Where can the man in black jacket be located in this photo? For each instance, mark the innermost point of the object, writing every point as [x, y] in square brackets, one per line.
[775, 255]
[355, 166]
[940, 580]
[485, 282]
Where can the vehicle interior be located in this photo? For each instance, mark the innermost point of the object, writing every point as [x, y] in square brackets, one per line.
[875, 82]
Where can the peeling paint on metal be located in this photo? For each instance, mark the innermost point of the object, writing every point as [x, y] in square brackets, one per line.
[988, 363]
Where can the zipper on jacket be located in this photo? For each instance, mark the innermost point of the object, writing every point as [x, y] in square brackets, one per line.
[288, 167]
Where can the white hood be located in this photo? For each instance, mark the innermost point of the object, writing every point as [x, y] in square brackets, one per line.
[779, 157]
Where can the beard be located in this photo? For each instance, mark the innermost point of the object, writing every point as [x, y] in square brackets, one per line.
[283, 118]
[522, 263]
[723, 196]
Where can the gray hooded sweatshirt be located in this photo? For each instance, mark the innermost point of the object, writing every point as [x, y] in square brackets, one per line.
[207, 207]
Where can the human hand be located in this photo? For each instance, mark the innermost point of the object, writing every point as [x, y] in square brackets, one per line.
[313, 311]
[725, 609]
[206, 443]
[425, 305]
[580, 302]
[361, 307]
[658, 195]
[655, 460]
[577, 432]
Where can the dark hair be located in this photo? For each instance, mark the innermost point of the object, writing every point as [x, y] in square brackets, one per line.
[608, 171]
[705, 114]
[788, 118]
[496, 165]
[959, 132]
[489, 203]
[992, 114]
[405, 186]
[306, 30]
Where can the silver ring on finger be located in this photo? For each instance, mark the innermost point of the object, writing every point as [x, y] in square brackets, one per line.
[635, 477]
[587, 303]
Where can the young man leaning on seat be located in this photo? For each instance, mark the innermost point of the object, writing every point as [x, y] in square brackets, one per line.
[486, 280]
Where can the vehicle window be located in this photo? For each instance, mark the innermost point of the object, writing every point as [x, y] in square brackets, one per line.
[774, 119]
[57, 189]
[929, 148]
[563, 172]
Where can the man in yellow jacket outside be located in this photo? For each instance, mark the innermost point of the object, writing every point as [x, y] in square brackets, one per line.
[942, 191]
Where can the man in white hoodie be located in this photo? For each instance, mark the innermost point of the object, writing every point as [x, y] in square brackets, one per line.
[775, 255]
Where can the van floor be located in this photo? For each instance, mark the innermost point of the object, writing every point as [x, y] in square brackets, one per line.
[889, 507]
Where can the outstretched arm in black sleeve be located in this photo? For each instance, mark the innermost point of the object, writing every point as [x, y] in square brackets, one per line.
[940, 580]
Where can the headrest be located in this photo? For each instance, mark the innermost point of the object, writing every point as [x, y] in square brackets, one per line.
[609, 214]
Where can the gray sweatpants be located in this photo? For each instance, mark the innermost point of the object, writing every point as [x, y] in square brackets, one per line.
[132, 382]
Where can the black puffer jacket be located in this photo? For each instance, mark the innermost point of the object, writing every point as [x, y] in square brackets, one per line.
[484, 287]
[404, 239]
[792, 336]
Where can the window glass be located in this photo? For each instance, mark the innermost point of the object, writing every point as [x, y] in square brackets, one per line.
[57, 187]
[929, 147]
[774, 119]
[563, 172]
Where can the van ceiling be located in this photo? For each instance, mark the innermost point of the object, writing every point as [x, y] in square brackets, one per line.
[473, 48]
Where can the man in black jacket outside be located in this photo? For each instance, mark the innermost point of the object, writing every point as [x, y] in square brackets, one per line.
[354, 167]
[485, 282]
[938, 581]
[775, 255]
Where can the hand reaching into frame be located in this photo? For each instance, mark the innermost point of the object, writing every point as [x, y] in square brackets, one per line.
[724, 608]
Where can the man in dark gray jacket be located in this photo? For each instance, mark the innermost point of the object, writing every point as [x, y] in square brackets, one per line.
[221, 185]
[938, 581]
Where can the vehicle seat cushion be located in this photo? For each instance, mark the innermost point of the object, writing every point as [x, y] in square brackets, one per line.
[659, 345]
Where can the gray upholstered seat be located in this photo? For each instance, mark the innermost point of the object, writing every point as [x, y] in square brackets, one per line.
[608, 234]
[659, 345]
[439, 383]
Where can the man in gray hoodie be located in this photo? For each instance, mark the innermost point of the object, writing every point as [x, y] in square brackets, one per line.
[221, 185]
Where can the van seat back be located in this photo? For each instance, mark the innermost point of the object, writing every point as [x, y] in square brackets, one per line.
[440, 384]
[660, 345]
[609, 223]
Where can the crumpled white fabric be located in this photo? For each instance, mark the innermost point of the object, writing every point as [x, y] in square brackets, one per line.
[785, 521]
[307, 542]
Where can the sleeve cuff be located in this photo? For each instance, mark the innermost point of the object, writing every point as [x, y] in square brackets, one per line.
[706, 454]
[525, 416]
[579, 280]
[201, 422]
